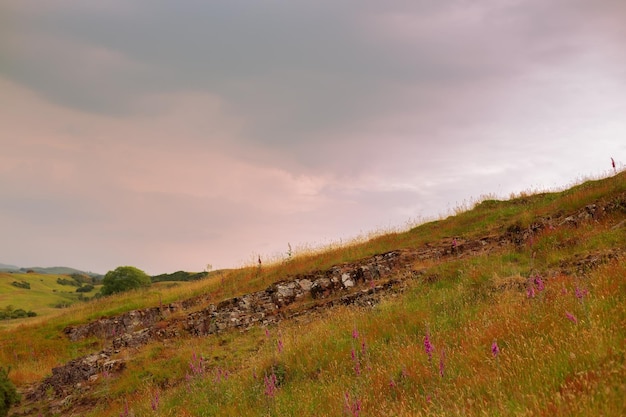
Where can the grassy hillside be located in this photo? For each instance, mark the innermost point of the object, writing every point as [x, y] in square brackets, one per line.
[44, 297]
[535, 325]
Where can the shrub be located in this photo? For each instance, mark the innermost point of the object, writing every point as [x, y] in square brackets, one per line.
[8, 393]
[180, 276]
[85, 288]
[65, 281]
[81, 278]
[124, 278]
[21, 284]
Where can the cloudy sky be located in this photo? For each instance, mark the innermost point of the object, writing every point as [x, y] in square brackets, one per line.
[171, 134]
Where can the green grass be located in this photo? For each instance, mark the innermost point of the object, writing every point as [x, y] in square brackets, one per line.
[42, 297]
[548, 365]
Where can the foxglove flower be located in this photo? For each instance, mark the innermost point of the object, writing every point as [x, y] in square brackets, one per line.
[571, 317]
[495, 350]
[428, 347]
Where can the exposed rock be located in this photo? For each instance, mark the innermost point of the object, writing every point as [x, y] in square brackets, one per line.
[346, 281]
[341, 284]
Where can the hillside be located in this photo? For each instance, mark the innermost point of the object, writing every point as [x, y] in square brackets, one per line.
[6, 267]
[43, 294]
[57, 270]
[511, 308]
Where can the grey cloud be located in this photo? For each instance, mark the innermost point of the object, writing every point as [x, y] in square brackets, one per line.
[298, 71]
[389, 107]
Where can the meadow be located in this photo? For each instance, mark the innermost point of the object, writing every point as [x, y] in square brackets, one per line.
[43, 295]
[534, 327]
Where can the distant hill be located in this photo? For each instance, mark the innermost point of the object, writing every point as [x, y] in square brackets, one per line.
[55, 270]
[61, 270]
[6, 267]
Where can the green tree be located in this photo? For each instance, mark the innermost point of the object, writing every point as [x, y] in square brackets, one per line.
[8, 393]
[124, 278]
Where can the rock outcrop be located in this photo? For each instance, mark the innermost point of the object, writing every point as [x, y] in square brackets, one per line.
[361, 282]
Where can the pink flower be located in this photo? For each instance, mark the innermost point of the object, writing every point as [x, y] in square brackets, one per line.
[539, 283]
[571, 317]
[271, 385]
[530, 292]
[355, 333]
[352, 405]
[428, 347]
[495, 350]
[357, 363]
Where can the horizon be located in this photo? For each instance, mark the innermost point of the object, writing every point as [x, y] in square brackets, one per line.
[241, 130]
[466, 206]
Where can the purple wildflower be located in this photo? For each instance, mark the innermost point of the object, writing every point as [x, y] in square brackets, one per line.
[392, 383]
[271, 385]
[495, 350]
[571, 317]
[352, 405]
[539, 283]
[581, 293]
[196, 365]
[355, 333]
[154, 401]
[280, 346]
[530, 292]
[428, 347]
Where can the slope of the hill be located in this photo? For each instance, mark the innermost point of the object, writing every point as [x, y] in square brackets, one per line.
[43, 294]
[512, 308]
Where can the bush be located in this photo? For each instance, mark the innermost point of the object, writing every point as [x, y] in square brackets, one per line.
[9, 312]
[180, 276]
[19, 313]
[21, 284]
[65, 281]
[81, 278]
[85, 288]
[8, 393]
[62, 304]
[124, 278]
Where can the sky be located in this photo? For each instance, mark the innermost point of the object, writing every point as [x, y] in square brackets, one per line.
[169, 135]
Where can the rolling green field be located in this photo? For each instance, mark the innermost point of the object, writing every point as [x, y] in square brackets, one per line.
[44, 297]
